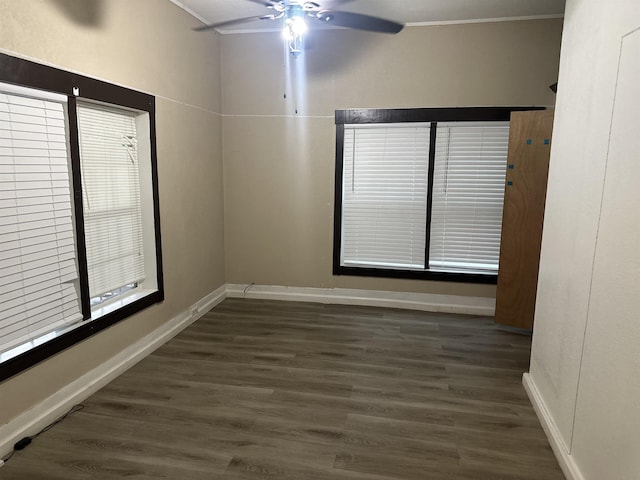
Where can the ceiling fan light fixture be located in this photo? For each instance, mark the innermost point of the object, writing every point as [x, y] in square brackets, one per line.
[294, 27]
[299, 26]
[293, 32]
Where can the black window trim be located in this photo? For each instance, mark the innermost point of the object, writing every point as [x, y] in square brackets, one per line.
[400, 115]
[26, 73]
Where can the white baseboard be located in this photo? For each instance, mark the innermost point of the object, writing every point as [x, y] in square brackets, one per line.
[414, 301]
[560, 449]
[53, 407]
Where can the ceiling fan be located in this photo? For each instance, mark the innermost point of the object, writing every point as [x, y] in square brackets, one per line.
[295, 13]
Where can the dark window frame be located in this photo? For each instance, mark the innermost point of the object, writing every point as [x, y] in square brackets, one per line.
[402, 115]
[25, 73]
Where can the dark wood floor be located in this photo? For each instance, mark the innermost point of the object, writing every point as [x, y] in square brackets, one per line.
[278, 390]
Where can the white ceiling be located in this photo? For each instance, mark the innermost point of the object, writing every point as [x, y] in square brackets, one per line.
[411, 12]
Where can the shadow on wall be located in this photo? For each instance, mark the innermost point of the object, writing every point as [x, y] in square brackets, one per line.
[333, 50]
[88, 13]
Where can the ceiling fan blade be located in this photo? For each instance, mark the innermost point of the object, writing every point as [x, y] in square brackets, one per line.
[358, 21]
[271, 3]
[264, 3]
[204, 28]
[334, 3]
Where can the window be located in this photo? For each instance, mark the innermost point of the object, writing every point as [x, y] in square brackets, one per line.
[112, 181]
[468, 195]
[79, 221]
[384, 202]
[419, 192]
[38, 276]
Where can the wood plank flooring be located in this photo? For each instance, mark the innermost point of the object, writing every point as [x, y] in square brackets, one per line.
[279, 390]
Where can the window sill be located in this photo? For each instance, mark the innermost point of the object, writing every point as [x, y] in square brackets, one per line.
[18, 359]
[96, 313]
[433, 275]
[25, 347]
[119, 302]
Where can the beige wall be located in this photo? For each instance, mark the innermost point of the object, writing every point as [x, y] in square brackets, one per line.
[279, 167]
[146, 45]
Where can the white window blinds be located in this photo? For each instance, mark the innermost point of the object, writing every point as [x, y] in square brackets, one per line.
[468, 195]
[384, 195]
[38, 276]
[111, 197]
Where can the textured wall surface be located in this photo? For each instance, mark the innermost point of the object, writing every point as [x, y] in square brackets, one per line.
[585, 358]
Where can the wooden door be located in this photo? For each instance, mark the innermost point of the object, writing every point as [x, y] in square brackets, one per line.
[524, 198]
